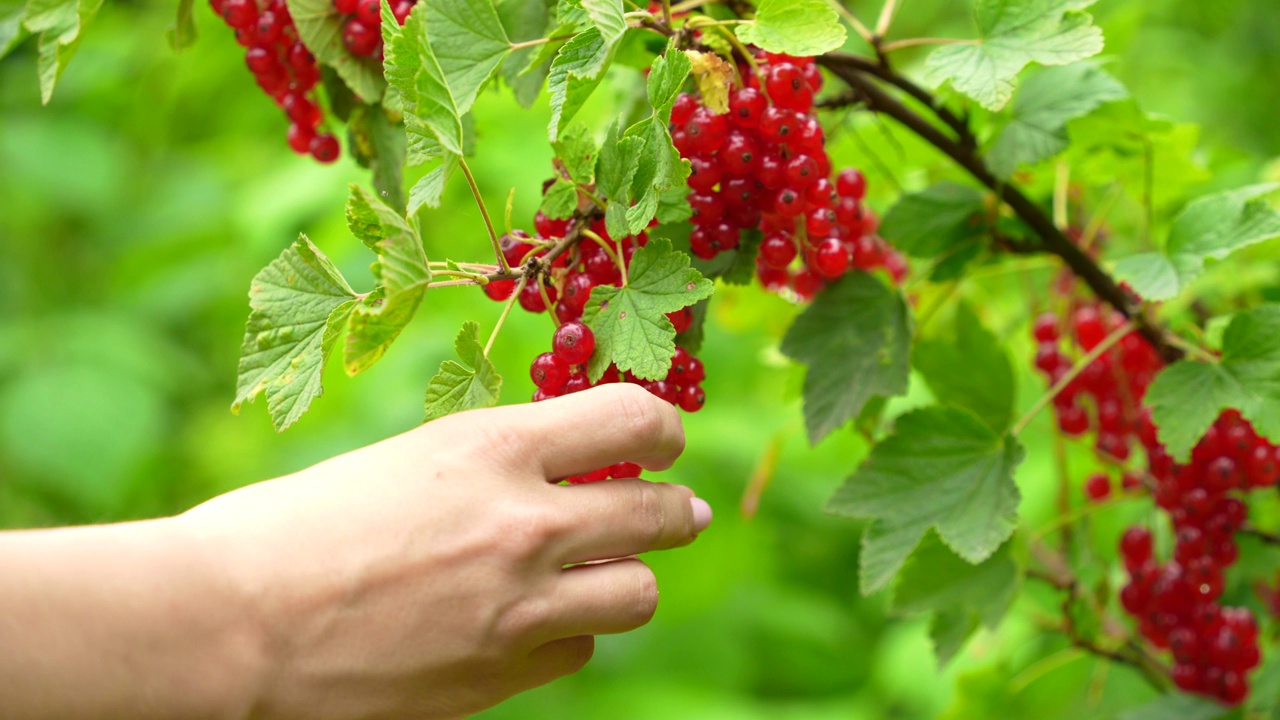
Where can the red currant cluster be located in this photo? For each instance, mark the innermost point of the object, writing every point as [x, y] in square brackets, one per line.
[763, 165]
[573, 276]
[1176, 602]
[284, 68]
[362, 24]
[1106, 395]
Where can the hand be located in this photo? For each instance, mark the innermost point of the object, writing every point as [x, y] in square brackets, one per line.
[437, 573]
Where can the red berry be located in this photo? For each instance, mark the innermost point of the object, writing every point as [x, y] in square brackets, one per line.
[369, 12]
[692, 398]
[1098, 487]
[802, 172]
[778, 250]
[681, 319]
[851, 183]
[549, 372]
[1045, 328]
[746, 107]
[500, 289]
[300, 138]
[324, 148]
[574, 342]
[361, 39]
[240, 14]
[830, 259]
[624, 470]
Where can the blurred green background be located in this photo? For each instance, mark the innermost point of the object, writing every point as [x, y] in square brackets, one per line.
[135, 208]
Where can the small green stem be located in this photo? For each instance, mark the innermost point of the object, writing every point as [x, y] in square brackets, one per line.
[511, 301]
[915, 42]
[484, 212]
[536, 42]
[613, 254]
[666, 12]
[887, 13]
[1108, 343]
[458, 274]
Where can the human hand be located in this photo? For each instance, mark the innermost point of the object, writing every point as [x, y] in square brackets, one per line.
[425, 576]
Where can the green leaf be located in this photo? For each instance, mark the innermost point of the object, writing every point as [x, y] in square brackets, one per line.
[401, 272]
[1187, 397]
[630, 322]
[431, 116]
[1177, 705]
[474, 383]
[1046, 102]
[617, 164]
[794, 27]
[298, 305]
[1013, 34]
[59, 24]
[666, 77]
[469, 42]
[966, 366]
[379, 145]
[575, 74]
[430, 189]
[1210, 228]
[607, 16]
[560, 200]
[525, 21]
[320, 26]
[933, 221]
[935, 579]
[183, 33]
[576, 148]
[949, 630]
[660, 170]
[856, 338]
[944, 469]
[12, 33]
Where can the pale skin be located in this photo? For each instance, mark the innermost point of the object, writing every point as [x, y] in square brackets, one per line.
[428, 576]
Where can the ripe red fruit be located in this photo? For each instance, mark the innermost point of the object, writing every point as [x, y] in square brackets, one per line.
[240, 14]
[1090, 331]
[573, 342]
[1045, 328]
[746, 107]
[851, 183]
[1135, 547]
[361, 39]
[692, 398]
[1098, 487]
[324, 148]
[802, 172]
[500, 289]
[681, 319]
[549, 372]
[778, 250]
[369, 12]
[300, 138]
[830, 259]
[624, 470]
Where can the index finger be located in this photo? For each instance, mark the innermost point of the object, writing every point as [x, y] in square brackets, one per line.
[588, 430]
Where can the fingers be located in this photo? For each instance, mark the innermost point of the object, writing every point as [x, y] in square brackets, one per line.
[585, 431]
[556, 659]
[603, 599]
[618, 518]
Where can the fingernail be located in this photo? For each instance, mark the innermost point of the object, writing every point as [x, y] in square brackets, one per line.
[701, 514]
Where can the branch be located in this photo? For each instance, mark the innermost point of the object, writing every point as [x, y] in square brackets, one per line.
[864, 76]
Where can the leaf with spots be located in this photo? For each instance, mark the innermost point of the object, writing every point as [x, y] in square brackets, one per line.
[299, 305]
[630, 322]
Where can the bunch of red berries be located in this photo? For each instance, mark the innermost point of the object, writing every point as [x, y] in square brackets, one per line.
[1176, 602]
[573, 276]
[284, 68]
[763, 165]
[1107, 394]
[362, 24]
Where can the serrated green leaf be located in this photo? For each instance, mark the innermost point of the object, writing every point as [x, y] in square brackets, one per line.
[468, 41]
[560, 200]
[320, 26]
[12, 33]
[379, 145]
[1209, 228]
[401, 272]
[855, 338]
[458, 387]
[617, 164]
[577, 149]
[607, 16]
[630, 322]
[794, 27]
[659, 171]
[59, 24]
[430, 189]
[181, 36]
[666, 77]
[935, 579]
[965, 365]
[935, 220]
[299, 305]
[575, 74]
[525, 21]
[431, 116]
[615, 220]
[1046, 102]
[1177, 705]
[1187, 397]
[949, 631]
[944, 469]
[1011, 35]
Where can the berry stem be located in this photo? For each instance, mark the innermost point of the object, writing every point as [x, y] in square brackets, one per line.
[502, 319]
[1084, 362]
[887, 12]
[666, 12]
[610, 251]
[863, 31]
[889, 47]
[484, 212]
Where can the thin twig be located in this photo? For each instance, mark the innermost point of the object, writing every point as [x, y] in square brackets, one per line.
[887, 13]
[484, 213]
[1109, 342]
[502, 319]
[889, 47]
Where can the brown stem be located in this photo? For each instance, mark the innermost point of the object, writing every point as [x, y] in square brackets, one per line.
[864, 77]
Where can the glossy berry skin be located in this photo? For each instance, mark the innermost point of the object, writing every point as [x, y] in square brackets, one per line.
[746, 107]
[831, 259]
[574, 342]
[692, 398]
[851, 183]
[324, 148]
[681, 319]
[1097, 488]
[549, 372]
[240, 14]
[300, 138]
[361, 39]
[778, 250]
